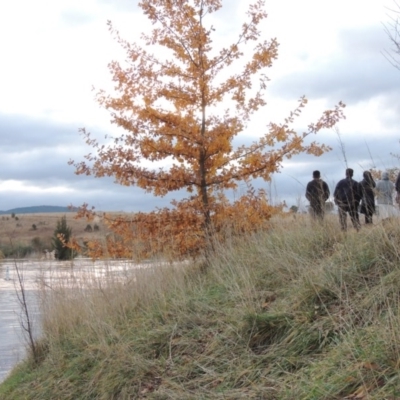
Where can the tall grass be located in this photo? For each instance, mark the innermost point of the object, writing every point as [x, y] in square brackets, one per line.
[298, 311]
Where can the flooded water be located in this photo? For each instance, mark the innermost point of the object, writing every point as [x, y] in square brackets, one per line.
[13, 338]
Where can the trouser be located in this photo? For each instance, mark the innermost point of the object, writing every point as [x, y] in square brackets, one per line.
[353, 216]
[368, 217]
[317, 213]
[386, 211]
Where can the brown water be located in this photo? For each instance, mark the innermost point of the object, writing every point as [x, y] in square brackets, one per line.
[13, 339]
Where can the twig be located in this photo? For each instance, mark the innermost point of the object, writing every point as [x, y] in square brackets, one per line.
[26, 320]
[342, 148]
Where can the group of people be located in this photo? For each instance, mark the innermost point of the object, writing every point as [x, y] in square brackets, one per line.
[353, 197]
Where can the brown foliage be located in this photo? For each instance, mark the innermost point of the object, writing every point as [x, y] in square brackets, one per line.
[178, 232]
[170, 110]
[393, 172]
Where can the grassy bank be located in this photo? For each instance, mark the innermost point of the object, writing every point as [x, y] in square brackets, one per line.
[296, 312]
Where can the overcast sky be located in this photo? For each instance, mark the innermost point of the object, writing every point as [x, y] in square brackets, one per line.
[54, 52]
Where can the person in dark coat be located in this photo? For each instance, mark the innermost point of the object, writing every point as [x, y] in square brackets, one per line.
[368, 197]
[317, 192]
[347, 196]
[397, 187]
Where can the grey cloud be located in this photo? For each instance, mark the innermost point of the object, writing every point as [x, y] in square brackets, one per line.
[19, 133]
[37, 157]
[357, 74]
[75, 18]
[106, 196]
[38, 165]
[121, 5]
[363, 42]
[36, 153]
[390, 110]
[351, 81]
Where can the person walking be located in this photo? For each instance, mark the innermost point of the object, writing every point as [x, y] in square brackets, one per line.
[397, 187]
[317, 192]
[347, 196]
[384, 191]
[368, 197]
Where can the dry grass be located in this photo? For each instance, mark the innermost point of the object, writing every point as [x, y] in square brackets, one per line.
[300, 311]
[20, 230]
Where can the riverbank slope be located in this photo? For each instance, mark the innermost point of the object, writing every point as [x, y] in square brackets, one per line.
[299, 311]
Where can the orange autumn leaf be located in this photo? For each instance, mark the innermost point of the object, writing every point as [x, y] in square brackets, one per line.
[184, 106]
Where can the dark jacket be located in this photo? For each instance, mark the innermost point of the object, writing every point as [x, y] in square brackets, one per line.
[317, 192]
[397, 184]
[348, 194]
[368, 196]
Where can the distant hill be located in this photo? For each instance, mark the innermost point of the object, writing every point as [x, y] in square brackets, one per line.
[38, 210]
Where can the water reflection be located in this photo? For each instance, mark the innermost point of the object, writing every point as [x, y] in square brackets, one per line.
[33, 274]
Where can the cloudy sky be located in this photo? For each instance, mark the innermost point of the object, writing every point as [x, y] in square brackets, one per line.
[54, 52]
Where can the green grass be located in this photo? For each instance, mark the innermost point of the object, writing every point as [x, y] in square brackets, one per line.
[296, 312]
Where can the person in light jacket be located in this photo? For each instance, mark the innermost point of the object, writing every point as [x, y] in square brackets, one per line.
[384, 194]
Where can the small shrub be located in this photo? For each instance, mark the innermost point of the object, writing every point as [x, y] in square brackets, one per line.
[34, 227]
[39, 244]
[62, 252]
[16, 251]
[96, 227]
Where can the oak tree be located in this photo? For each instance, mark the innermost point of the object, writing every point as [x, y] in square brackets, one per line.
[182, 105]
